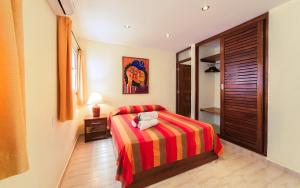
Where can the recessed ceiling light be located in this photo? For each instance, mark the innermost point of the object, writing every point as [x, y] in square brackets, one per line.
[127, 26]
[168, 35]
[205, 8]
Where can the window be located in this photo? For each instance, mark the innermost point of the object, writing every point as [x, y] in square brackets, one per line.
[74, 70]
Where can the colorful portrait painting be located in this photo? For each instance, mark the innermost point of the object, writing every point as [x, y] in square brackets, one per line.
[135, 75]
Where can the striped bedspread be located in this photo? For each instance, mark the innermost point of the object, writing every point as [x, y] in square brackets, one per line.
[175, 137]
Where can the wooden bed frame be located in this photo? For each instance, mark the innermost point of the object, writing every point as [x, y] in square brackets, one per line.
[156, 174]
[165, 171]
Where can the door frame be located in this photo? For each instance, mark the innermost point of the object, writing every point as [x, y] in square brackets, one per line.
[177, 69]
[265, 19]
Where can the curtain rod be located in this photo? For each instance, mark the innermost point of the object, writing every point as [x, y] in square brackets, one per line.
[62, 8]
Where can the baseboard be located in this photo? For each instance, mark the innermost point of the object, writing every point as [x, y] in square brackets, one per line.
[67, 164]
[267, 160]
[278, 165]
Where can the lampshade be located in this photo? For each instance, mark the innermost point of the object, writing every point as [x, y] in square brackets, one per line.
[95, 98]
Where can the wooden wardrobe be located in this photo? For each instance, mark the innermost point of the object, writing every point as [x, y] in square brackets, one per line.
[243, 84]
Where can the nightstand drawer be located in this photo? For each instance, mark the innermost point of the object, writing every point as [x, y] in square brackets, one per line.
[95, 122]
[92, 129]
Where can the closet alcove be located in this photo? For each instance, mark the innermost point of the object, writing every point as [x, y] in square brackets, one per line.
[209, 78]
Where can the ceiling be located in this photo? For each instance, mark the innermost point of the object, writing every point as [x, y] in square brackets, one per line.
[150, 20]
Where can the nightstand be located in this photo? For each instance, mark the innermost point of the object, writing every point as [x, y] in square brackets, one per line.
[95, 128]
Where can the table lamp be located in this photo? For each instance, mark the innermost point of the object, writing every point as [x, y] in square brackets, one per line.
[95, 99]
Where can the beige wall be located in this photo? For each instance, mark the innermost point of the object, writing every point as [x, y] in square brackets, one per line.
[217, 94]
[104, 74]
[193, 75]
[49, 142]
[284, 85]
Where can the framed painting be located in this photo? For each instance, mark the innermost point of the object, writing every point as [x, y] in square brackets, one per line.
[135, 75]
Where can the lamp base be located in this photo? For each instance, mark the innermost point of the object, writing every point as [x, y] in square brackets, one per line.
[96, 111]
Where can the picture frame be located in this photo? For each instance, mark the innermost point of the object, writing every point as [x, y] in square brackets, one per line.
[135, 75]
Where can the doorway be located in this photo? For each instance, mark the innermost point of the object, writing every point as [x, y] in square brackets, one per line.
[183, 83]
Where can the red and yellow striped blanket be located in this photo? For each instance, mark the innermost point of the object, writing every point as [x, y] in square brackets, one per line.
[175, 137]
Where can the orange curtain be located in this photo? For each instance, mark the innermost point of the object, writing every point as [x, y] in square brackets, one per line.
[81, 78]
[64, 60]
[13, 151]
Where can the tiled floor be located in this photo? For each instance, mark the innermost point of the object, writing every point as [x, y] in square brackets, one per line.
[93, 165]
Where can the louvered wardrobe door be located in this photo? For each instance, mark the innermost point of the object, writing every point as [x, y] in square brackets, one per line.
[242, 89]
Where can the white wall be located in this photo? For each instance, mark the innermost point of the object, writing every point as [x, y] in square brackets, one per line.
[49, 142]
[217, 94]
[206, 80]
[104, 74]
[193, 74]
[284, 85]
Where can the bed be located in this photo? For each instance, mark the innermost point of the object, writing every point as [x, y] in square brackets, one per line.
[175, 145]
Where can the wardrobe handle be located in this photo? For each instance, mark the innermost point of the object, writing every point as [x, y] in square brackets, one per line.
[222, 86]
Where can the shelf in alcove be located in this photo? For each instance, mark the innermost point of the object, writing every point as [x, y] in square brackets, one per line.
[212, 110]
[211, 59]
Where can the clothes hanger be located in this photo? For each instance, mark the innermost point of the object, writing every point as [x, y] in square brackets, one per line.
[212, 68]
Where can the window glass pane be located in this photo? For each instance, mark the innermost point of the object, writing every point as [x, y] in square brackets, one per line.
[184, 55]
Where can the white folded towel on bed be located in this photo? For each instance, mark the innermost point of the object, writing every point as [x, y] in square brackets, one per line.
[147, 115]
[145, 120]
[134, 124]
[145, 124]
